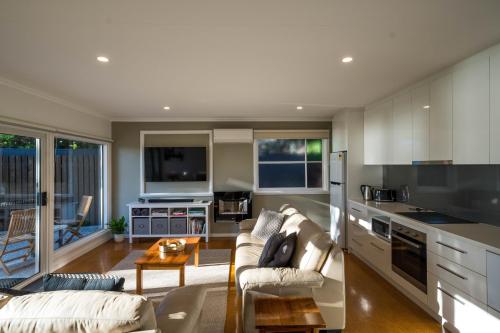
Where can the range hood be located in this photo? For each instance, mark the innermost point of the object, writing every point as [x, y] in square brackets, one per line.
[435, 162]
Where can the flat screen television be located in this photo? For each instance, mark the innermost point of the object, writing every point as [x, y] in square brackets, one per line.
[175, 164]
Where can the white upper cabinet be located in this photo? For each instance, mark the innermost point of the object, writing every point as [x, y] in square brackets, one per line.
[402, 130]
[495, 107]
[378, 134]
[471, 111]
[441, 119]
[420, 106]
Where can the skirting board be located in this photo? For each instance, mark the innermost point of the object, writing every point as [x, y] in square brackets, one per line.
[223, 235]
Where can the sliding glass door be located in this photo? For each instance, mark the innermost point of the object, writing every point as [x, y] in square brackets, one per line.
[78, 189]
[22, 197]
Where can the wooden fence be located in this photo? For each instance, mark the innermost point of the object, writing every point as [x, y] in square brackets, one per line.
[77, 172]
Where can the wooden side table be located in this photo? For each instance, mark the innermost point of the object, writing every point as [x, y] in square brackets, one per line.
[287, 314]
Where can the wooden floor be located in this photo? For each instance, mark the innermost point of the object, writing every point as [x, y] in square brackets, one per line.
[373, 305]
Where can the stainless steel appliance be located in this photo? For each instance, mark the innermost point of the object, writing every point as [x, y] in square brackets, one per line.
[384, 194]
[338, 198]
[409, 255]
[430, 217]
[366, 192]
[381, 226]
[232, 206]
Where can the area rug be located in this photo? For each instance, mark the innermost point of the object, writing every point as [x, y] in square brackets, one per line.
[212, 272]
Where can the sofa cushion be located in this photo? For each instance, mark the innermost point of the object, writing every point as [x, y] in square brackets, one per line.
[246, 238]
[270, 248]
[313, 243]
[283, 255]
[82, 281]
[279, 278]
[51, 283]
[180, 309]
[268, 223]
[291, 221]
[77, 311]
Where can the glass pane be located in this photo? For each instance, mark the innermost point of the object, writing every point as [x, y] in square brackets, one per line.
[77, 191]
[281, 175]
[19, 208]
[281, 150]
[314, 150]
[314, 175]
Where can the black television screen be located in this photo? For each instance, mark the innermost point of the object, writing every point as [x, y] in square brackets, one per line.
[175, 164]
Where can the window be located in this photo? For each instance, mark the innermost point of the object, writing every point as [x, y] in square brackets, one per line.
[78, 190]
[291, 164]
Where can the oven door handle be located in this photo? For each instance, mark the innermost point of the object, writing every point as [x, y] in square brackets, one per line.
[413, 244]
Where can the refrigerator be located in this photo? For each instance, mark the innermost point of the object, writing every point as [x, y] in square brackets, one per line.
[338, 197]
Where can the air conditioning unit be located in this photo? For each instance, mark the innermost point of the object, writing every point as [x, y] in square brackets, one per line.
[233, 135]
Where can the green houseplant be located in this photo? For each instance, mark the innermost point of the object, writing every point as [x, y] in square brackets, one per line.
[117, 227]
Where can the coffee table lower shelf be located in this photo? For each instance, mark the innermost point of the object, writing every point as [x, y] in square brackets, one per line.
[287, 314]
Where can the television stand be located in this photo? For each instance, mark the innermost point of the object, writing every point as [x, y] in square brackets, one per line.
[169, 219]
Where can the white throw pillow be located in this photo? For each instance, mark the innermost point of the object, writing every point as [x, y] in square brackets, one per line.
[268, 224]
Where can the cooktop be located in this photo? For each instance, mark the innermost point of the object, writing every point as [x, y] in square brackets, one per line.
[434, 218]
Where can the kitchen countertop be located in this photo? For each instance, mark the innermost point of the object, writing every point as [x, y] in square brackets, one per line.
[484, 235]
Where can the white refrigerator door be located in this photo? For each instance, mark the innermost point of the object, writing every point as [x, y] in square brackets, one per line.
[337, 172]
[337, 214]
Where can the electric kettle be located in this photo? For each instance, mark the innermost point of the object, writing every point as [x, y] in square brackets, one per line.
[366, 192]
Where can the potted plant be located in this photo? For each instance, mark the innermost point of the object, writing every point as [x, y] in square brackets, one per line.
[117, 227]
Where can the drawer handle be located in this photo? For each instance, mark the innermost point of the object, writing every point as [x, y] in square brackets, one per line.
[450, 295]
[452, 272]
[376, 246]
[451, 247]
[357, 210]
[359, 227]
[355, 241]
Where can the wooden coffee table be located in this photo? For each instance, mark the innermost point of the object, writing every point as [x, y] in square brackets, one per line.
[151, 260]
[287, 314]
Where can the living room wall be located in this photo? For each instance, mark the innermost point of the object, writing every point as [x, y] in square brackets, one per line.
[233, 168]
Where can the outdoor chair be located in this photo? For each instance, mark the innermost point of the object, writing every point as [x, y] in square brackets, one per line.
[21, 230]
[73, 226]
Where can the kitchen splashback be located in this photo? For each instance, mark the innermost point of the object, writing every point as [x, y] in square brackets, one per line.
[471, 192]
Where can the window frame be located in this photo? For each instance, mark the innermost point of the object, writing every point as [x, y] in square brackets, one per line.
[293, 190]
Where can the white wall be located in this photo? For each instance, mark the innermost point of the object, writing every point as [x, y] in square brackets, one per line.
[26, 104]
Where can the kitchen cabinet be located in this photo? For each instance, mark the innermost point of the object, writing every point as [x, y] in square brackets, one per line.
[460, 312]
[378, 129]
[402, 130]
[471, 111]
[495, 107]
[441, 119]
[420, 105]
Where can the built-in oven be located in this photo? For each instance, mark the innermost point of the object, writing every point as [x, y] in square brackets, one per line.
[409, 255]
[381, 226]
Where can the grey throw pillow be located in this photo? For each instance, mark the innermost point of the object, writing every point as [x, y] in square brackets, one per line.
[268, 224]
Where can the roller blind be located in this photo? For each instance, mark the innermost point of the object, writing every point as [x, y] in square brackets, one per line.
[291, 134]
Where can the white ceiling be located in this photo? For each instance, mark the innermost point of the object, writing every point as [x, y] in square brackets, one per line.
[235, 59]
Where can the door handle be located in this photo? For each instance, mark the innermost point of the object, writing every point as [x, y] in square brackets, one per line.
[413, 244]
[451, 247]
[450, 295]
[376, 246]
[451, 272]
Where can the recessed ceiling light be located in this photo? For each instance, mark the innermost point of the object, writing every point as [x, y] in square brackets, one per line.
[299, 107]
[102, 59]
[166, 108]
[346, 60]
[426, 107]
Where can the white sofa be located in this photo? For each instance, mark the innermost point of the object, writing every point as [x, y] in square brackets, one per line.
[103, 311]
[317, 270]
